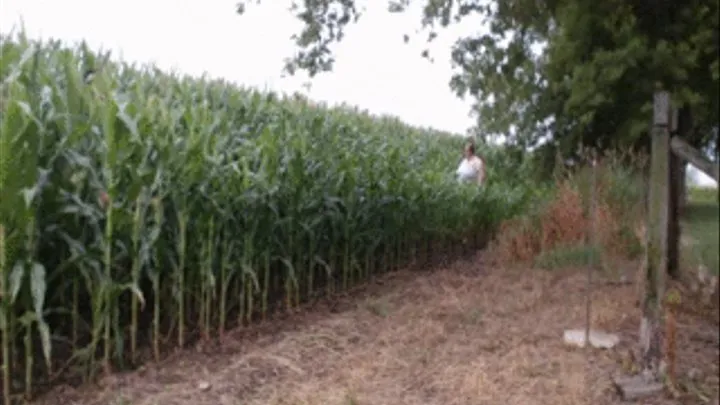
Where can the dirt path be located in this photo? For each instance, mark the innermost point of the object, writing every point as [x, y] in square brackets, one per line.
[463, 335]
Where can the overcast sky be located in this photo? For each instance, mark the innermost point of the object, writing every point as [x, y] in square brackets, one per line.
[375, 69]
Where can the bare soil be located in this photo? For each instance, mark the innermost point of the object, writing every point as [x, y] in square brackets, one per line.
[468, 334]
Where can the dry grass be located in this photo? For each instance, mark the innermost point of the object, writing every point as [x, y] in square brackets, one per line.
[462, 335]
[561, 222]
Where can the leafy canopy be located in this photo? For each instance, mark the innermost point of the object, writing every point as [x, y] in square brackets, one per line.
[572, 71]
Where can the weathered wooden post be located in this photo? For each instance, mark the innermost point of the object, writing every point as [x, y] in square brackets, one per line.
[656, 271]
[651, 324]
[676, 170]
[695, 157]
[675, 208]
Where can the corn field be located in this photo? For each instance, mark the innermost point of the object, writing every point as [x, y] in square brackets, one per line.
[140, 210]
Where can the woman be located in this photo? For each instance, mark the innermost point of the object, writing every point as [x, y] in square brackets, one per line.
[472, 168]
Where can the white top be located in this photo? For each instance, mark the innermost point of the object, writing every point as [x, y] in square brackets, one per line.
[469, 169]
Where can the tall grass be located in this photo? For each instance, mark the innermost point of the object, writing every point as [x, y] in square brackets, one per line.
[138, 206]
[701, 221]
[556, 227]
[703, 195]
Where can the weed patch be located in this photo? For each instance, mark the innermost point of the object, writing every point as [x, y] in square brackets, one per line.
[567, 256]
[559, 230]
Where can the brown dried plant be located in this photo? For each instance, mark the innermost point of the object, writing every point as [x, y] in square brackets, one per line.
[565, 220]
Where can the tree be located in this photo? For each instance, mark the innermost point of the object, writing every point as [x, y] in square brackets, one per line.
[593, 81]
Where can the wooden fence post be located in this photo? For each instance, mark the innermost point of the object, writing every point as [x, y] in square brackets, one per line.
[651, 325]
[695, 157]
[676, 185]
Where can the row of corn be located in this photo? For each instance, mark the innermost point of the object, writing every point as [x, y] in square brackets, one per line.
[139, 208]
